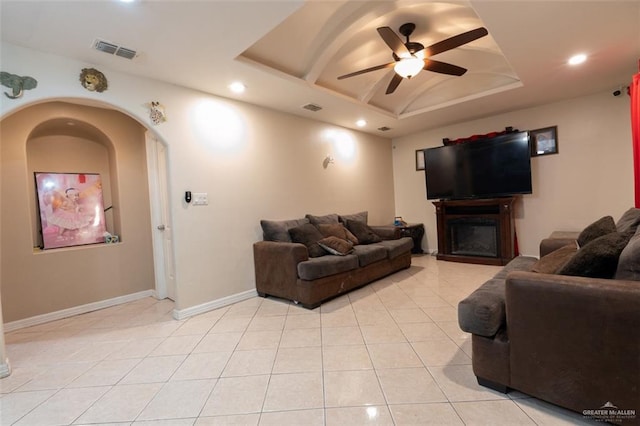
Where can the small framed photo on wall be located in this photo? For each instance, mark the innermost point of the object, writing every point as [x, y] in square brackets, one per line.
[544, 141]
[419, 159]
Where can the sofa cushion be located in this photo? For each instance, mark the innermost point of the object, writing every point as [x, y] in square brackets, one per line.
[599, 258]
[360, 217]
[368, 254]
[603, 226]
[395, 248]
[629, 262]
[317, 220]
[629, 220]
[337, 230]
[483, 311]
[363, 233]
[320, 267]
[335, 245]
[519, 263]
[555, 260]
[308, 235]
[278, 230]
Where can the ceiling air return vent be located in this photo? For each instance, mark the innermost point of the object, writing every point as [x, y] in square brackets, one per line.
[312, 107]
[123, 52]
[114, 49]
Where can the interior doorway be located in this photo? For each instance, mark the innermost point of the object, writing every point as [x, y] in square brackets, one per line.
[162, 230]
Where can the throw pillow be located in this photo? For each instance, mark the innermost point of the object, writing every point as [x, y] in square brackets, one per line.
[337, 230]
[317, 220]
[629, 262]
[360, 216]
[598, 258]
[308, 235]
[278, 230]
[600, 227]
[363, 233]
[629, 220]
[555, 260]
[335, 245]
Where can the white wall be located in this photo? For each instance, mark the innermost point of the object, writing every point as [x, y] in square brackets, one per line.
[252, 162]
[591, 176]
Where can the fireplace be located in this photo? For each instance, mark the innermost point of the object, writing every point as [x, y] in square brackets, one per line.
[476, 231]
[474, 237]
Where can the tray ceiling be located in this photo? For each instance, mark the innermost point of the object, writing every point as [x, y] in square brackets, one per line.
[343, 38]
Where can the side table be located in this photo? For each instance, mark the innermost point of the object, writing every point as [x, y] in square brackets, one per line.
[416, 232]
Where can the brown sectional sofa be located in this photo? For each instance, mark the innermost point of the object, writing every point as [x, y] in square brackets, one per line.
[573, 341]
[285, 269]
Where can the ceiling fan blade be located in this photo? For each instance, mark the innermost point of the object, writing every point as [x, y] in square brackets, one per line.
[455, 41]
[393, 85]
[393, 41]
[443, 67]
[377, 67]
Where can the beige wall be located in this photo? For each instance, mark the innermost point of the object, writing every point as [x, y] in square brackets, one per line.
[270, 167]
[592, 175]
[36, 282]
[253, 163]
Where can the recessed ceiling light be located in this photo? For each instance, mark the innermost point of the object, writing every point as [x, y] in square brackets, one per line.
[237, 87]
[577, 59]
[361, 123]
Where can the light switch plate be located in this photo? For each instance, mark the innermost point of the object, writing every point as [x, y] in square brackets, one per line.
[200, 199]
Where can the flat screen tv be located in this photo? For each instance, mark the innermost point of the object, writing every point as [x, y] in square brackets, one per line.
[496, 167]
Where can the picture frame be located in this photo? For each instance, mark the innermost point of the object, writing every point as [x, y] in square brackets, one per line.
[419, 159]
[544, 141]
[71, 209]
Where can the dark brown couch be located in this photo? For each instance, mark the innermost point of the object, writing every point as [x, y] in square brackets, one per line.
[570, 340]
[284, 268]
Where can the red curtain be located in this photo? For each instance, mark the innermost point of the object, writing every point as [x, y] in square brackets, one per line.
[635, 133]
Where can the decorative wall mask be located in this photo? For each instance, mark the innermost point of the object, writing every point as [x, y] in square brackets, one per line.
[156, 112]
[17, 84]
[93, 80]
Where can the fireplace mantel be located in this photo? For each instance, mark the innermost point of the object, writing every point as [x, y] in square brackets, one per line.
[488, 220]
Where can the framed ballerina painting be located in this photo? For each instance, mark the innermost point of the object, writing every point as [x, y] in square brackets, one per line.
[71, 209]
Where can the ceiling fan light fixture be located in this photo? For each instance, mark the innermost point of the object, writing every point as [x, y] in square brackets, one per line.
[408, 67]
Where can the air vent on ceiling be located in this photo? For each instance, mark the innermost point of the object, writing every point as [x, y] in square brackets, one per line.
[312, 107]
[114, 49]
[123, 52]
[384, 128]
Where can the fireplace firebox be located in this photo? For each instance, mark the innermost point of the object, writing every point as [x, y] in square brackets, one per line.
[476, 231]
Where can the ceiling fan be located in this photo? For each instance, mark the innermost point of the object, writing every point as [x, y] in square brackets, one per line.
[410, 58]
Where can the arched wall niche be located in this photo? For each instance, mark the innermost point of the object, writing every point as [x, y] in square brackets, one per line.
[69, 145]
[39, 282]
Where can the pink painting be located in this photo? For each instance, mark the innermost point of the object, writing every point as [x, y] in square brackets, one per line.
[71, 209]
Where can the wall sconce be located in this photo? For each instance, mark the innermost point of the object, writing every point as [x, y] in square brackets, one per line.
[327, 160]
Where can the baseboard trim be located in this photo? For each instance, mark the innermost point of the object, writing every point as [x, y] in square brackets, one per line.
[5, 369]
[181, 314]
[76, 310]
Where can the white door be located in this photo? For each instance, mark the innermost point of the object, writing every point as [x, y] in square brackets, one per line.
[160, 219]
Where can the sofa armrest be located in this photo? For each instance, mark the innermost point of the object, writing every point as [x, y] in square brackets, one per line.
[276, 267]
[574, 340]
[556, 240]
[387, 232]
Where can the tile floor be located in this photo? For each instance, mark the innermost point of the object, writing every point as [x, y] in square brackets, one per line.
[389, 353]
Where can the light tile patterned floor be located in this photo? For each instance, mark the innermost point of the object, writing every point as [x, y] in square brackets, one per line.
[388, 353]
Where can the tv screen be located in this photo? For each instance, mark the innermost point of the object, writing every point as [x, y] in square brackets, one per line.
[495, 167]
